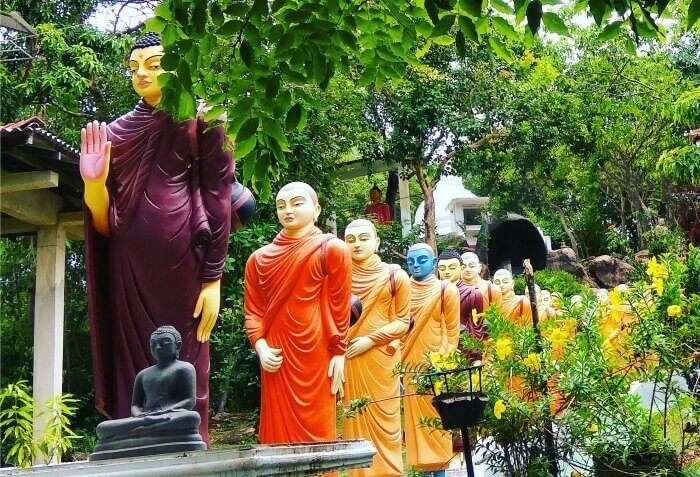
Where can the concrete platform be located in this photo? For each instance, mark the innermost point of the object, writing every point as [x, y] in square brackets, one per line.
[299, 459]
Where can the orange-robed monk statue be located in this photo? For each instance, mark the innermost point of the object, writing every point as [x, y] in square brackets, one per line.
[372, 354]
[297, 314]
[435, 311]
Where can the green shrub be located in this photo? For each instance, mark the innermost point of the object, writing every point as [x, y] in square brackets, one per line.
[555, 281]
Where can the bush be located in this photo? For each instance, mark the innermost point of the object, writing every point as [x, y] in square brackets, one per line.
[558, 281]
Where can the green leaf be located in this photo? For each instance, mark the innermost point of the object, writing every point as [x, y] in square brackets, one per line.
[259, 8]
[534, 16]
[243, 148]
[274, 130]
[443, 40]
[163, 11]
[237, 9]
[460, 44]
[293, 117]
[555, 24]
[276, 5]
[272, 87]
[471, 7]
[630, 46]
[247, 129]
[155, 24]
[610, 31]
[520, 10]
[504, 28]
[199, 17]
[424, 28]
[424, 49]
[246, 52]
[466, 26]
[186, 105]
[230, 27]
[444, 25]
[302, 121]
[482, 25]
[693, 13]
[214, 113]
[432, 9]
[501, 49]
[598, 9]
[503, 7]
[217, 16]
[169, 62]
[262, 166]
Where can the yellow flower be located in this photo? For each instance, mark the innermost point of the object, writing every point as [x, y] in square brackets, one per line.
[499, 408]
[504, 347]
[656, 270]
[437, 385]
[615, 298]
[476, 382]
[674, 310]
[558, 338]
[532, 361]
[435, 360]
[658, 286]
[593, 428]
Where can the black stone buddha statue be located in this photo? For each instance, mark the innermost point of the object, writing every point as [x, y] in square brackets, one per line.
[161, 407]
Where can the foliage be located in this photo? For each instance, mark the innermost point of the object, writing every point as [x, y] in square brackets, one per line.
[274, 50]
[564, 283]
[16, 419]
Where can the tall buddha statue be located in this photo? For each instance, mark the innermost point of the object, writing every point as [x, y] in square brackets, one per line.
[450, 268]
[297, 313]
[158, 216]
[515, 307]
[162, 419]
[372, 355]
[435, 311]
[471, 276]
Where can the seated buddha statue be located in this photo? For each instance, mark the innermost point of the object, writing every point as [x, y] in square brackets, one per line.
[162, 419]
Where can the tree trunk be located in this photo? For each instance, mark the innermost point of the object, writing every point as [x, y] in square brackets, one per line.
[428, 204]
[567, 229]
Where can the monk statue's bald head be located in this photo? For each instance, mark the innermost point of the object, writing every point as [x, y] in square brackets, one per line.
[361, 236]
[297, 208]
[471, 271]
[421, 261]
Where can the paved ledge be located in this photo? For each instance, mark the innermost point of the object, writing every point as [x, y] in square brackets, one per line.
[277, 460]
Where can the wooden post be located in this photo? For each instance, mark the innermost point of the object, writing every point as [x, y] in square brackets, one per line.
[48, 323]
[405, 203]
[549, 447]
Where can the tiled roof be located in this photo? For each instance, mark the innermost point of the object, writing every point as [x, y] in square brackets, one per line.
[36, 125]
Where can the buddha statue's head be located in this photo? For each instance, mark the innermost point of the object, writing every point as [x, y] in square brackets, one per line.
[472, 267]
[602, 296]
[450, 265]
[144, 64]
[375, 194]
[362, 239]
[421, 261]
[546, 298]
[165, 344]
[503, 279]
[297, 207]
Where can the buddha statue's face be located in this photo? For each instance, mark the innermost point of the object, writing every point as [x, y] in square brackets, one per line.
[472, 267]
[362, 241]
[421, 263]
[144, 64]
[164, 347]
[375, 196]
[503, 279]
[546, 298]
[296, 208]
[450, 270]
[601, 295]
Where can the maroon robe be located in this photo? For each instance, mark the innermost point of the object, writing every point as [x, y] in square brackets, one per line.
[170, 215]
[470, 299]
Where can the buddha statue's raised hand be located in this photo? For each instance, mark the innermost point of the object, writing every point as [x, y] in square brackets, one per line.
[95, 152]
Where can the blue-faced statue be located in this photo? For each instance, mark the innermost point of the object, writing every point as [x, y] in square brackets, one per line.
[421, 261]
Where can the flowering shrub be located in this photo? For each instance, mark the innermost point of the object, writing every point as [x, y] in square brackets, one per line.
[575, 376]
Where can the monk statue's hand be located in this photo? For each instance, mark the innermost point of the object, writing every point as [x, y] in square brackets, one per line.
[95, 151]
[359, 345]
[208, 306]
[270, 358]
[336, 371]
